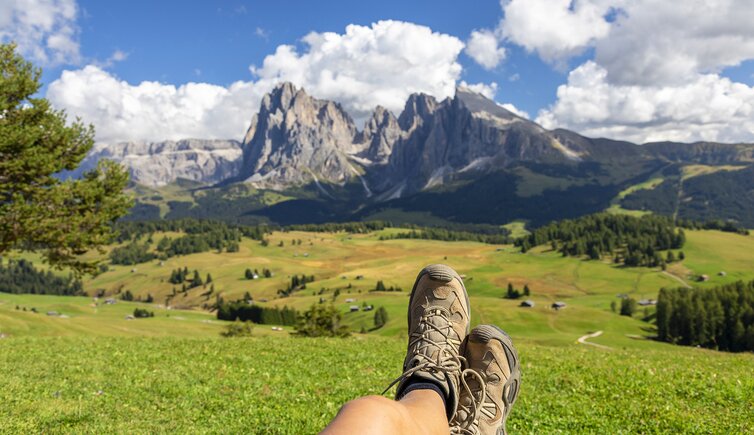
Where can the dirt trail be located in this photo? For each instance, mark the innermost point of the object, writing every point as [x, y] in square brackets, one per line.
[683, 283]
[582, 340]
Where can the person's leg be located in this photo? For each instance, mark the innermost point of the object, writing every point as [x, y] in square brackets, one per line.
[418, 412]
[428, 389]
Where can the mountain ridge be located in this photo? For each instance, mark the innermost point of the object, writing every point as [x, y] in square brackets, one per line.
[311, 149]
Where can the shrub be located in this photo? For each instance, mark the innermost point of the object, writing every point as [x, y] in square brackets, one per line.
[141, 313]
[321, 321]
[238, 329]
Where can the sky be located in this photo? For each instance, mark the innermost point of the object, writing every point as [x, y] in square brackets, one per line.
[638, 70]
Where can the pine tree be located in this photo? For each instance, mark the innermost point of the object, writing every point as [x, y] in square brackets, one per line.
[627, 307]
[380, 317]
[197, 280]
[38, 210]
[512, 293]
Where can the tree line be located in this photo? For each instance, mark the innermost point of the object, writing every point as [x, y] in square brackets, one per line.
[447, 235]
[720, 318]
[349, 227]
[297, 283]
[629, 240]
[129, 230]
[137, 251]
[21, 277]
[241, 310]
[725, 226]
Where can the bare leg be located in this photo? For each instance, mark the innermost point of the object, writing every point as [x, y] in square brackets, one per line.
[418, 412]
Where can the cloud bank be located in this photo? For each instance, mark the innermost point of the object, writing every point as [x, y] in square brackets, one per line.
[361, 68]
[655, 67]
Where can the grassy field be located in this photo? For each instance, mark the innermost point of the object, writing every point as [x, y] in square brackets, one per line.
[93, 370]
[690, 171]
[295, 386]
[615, 206]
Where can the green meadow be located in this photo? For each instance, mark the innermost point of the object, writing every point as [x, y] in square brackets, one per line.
[93, 370]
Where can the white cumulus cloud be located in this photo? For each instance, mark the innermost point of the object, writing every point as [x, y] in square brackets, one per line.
[656, 42]
[366, 66]
[656, 69]
[708, 107]
[484, 48]
[151, 110]
[554, 29]
[45, 30]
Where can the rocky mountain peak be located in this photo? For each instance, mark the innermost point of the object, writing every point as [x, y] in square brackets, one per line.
[478, 103]
[418, 109]
[297, 139]
[380, 132]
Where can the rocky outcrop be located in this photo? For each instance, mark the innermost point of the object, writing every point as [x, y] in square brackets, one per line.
[468, 133]
[296, 139]
[380, 133]
[159, 163]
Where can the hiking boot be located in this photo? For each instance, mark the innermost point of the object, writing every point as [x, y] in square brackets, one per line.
[490, 383]
[438, 322]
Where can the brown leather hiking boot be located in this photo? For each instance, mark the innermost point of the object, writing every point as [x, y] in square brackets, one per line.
[490, 383]
[438, 322]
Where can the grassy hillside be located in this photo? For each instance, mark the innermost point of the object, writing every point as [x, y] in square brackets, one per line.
[354, 263]
[95, 371]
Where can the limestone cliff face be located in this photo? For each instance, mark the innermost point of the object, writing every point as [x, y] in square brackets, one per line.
[296, 139]
[468, 133]
[159, 163]
[380, 133]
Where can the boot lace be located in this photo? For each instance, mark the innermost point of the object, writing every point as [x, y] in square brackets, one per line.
[466, 420]
[447, 360]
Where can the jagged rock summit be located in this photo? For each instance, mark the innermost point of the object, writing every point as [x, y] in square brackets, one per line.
[296, 139]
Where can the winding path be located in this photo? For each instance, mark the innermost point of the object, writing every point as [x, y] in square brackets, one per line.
[582, 340]
[683, 283]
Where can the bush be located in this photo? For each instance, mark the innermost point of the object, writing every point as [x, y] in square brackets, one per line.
[321, 321]
[238, 329]
[141, 313]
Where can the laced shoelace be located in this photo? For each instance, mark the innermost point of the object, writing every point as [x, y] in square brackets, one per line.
[470, 424]
[448, 361]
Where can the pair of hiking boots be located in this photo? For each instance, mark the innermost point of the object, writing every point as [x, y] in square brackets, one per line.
[477, 371]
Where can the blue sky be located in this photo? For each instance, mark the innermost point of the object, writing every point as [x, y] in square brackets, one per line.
[639, 70]
[216, 42]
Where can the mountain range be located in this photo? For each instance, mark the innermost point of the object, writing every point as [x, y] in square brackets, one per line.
[465, 159]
